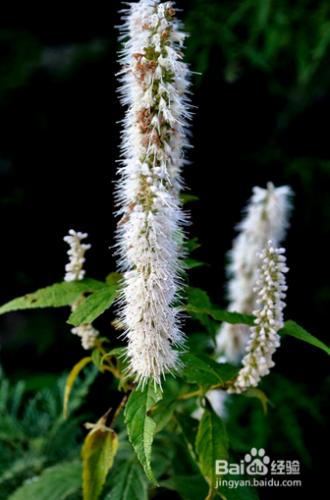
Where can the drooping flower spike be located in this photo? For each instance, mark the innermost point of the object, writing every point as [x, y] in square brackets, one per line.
[264, 340]
[75, 272]
[266, 218]
[154, 85]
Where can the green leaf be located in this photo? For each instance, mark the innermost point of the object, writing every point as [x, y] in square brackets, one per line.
[211, 445]
[198, 298]
[130, 483]
[163, 454]
[230, 317]
[140, 426]
[113, 278]
[203, 370]
[192, 245]
[188, 198]
[188, 487]
[99, 450]
[193, 264]
[188, 427]
[58, 295]
[163, 413]
[233, 318]
[94, 305]
[71, 380]
[58, 482]
[200, 303]
[26, 465]
[294, 330]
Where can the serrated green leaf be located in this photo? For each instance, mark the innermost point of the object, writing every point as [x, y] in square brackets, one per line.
[211, 445]
[294, 330]
[99, 450]
[188, 487]
[130, 483]
[58, 482]
[94, 305]
[58, 295]
[140, 426]
[203, 370]
[71, 380]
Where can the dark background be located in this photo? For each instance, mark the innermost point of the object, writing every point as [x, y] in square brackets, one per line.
[262, 112]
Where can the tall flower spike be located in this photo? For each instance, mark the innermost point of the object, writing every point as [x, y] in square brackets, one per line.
[154, 88]
[264, 340]
[266, 219]
[75, 272]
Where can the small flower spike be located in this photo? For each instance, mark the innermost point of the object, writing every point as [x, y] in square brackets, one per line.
[75, 272]
[264, 339]
[74, 268]
[266, 218]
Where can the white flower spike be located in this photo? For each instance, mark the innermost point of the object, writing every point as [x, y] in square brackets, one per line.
[75, 272]
[266, 219]
[75, 267]
[264, 340]
[154, 88]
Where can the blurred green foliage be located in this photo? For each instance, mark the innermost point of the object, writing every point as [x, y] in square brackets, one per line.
[290, 41]
[270, 35]
[33, 433]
